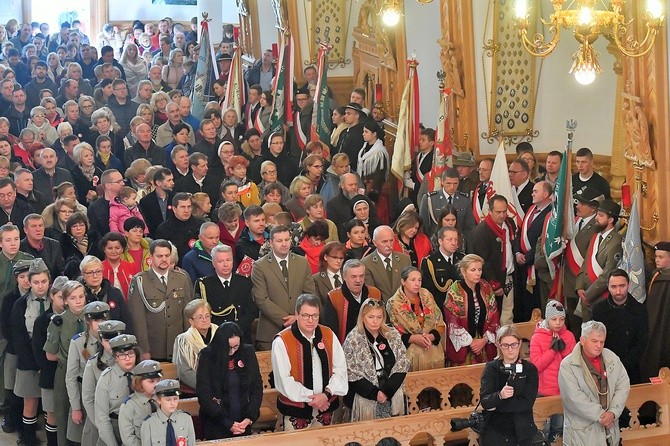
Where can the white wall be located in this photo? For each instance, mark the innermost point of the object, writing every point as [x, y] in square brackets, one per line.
[560, 97]
[145, 10]
[266, 24]
[422, 30]
[11, 9]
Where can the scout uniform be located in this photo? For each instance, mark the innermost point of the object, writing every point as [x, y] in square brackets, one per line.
[62, 329]
[113, 387]
[82, 347]
[158, 310]
[94, 367]
[159, 427]
[137, 407]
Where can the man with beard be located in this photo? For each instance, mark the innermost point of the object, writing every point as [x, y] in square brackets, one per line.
[339, 208]
[341, 307]
[601, 258]
[182, 228]
[156, 206]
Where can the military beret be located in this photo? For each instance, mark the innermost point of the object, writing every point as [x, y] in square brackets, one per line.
[96, 310]
[223, 56]
[609, 207]
[123, 342]
[662, 246]
[148, 369]
[38, 266]
[167, 387]
[21, 266]
[111, 329]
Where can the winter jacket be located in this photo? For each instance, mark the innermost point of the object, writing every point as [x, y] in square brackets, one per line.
[125, 273]
[546, 360]
[119, 213]
[197, 262]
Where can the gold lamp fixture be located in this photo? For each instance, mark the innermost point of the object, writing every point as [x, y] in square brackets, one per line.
[391, 11]
[588, 23]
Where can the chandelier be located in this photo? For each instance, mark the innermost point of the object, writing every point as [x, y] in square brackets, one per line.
[391, 11]
[588, 23]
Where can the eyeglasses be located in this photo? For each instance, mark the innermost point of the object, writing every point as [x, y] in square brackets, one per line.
[202, 317]
[97, 272]
[511, 346]
[336, 257]
[125, 355]
[309, 317]
[375, 303]
[269, 171]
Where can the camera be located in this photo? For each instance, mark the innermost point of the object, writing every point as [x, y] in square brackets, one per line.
[474, 422]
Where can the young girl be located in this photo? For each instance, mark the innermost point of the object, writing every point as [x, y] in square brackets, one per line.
[168, 422]
[123, 207]
[550, 343]
[140, 405]
[94, 367]
[83, 346]
[44, 132]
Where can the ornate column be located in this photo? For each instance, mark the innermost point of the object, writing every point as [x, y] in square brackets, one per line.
[618, 164]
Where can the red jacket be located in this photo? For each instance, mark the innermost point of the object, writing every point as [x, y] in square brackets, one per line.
[228, 239]
[422, 246]
[126, 272]
[546, 360]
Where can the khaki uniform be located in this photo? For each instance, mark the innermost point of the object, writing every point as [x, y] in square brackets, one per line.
[89, 382]
[58, 343]
[134, 410]
[154, 428]
[111, 391]
[74, 373]
[158, 311]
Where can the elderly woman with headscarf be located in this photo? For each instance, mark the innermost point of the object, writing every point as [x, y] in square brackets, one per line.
[229, 385]
[187, 346]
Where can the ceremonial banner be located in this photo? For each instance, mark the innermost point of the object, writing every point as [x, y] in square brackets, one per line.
[407, 139]
[235, 89]
[560, 224]
[443, 145]
[282, 91]
[500, 185]
[206, 72]
[632, 260]
[321, 116]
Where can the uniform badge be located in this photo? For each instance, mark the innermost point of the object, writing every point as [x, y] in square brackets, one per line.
[240, 364]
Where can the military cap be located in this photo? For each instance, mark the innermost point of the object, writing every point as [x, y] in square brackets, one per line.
[610, 208]
[148, 369]
[96, 310]
[111, 329]
[167, 387]
[21, 266]
[662, 246]
[123, 342]
[38, 266]
[59, 283]
[223, 56]
[590, 196]
[464, 159]
[357, 107]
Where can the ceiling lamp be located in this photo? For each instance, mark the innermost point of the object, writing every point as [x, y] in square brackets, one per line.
[588, 23]
[391, 11]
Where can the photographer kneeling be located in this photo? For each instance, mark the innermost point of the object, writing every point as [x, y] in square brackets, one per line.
[508, 392]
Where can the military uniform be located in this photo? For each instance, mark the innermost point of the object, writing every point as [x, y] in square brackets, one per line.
[438, 274]
[112, 389]
[82, 347]
[62, 329]
[155, 427]
[92, 372]
[137, 407]
[158, 310]
[432, 204]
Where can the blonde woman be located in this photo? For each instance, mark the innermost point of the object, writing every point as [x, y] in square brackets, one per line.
[174, 70]
[134, 66]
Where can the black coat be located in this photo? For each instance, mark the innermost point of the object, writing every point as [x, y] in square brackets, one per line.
[351, 142]
[118, 309]
[20, 210]
[20, 337]
[98, 215]
[526, 196]
[83, 185]
[8, 302]
[214, 393]
[151, 211]
[210, 186]
[45, 183]
[73, 256]
[512, 417]
[488, 246]
[181, 233]
[47, 368]
[339, 210]
[51, 253]
[443, 272]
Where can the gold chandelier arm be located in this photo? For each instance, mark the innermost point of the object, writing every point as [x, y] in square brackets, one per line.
[538, 46]
[632, 47]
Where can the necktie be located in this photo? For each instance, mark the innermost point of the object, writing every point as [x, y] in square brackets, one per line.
[170, 438]
[336, 278]
[389, 270]
[581, 223]
[225, 284]
[600, 240]
[164, 281]
[482, 193]
[41, 301]
[80, 326]
[449, 260]
[284, 269]
[449, 199]
[129, 378]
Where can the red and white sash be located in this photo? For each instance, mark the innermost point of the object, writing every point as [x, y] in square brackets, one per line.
[593, 268]
[526, 246]
[258, 125]
[573, 257]
[480, 211]
[300, 135]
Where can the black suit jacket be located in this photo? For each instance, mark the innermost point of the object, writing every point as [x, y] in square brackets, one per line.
[210, 186]
[534, 233]
[98, 215]
[151, 211]
[20, 210]
[526, 196]
[488, 246]
[351, 142]
[22, 344]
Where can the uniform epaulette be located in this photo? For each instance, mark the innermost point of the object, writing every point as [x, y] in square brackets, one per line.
[147, 417]
[463, 193]
[77, 336]
[430, 194]
[126, 399]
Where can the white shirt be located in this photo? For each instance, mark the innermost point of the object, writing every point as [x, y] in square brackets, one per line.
[509, 258]
[603, 236]
[198, 181]
[160, 276]
[383, 259]
[225, 279]
[331, 277]
[295, 391]
[518, 189]
[584, 221]
[447, 257]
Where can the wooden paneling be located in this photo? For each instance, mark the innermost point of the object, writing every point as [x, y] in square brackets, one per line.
[341, 86]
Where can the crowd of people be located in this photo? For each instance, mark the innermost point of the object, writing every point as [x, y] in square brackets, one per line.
[134, 233]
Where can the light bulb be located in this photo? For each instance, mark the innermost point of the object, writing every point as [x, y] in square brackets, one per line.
[585, 76]
[654, 8]
[521, 9]
[390, 17]
[585, 16]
